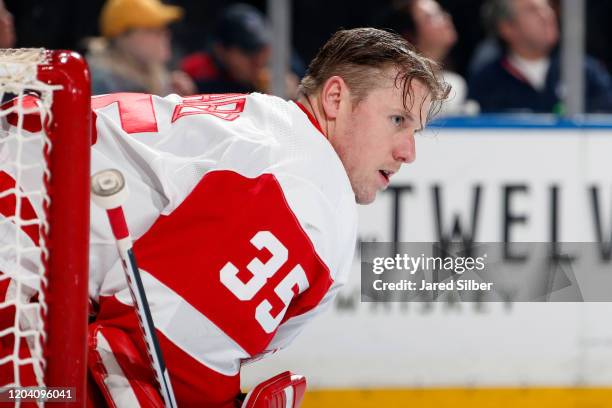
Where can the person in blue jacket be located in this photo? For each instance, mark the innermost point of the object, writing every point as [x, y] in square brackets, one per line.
[527, 77]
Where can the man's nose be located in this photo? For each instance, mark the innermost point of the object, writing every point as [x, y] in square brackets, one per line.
[546, 13]
[405, 150]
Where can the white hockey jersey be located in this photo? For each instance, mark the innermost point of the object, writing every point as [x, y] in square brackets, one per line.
[244, 223]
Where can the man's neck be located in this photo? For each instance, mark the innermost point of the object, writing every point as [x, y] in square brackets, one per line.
[528, 54]
[534, 71]
[313, 105]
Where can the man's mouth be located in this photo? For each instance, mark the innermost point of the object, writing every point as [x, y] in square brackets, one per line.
[386, 174]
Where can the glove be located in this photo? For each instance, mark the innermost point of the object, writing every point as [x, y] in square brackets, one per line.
[281, 391]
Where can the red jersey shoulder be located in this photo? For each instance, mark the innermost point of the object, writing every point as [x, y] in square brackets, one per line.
[137, 112]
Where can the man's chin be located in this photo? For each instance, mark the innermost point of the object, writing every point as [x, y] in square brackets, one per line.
[365, 199]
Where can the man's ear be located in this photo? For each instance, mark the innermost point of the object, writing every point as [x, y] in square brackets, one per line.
[506, 30]
[332, 94]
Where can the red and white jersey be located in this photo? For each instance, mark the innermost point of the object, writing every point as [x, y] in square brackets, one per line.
[244, 223]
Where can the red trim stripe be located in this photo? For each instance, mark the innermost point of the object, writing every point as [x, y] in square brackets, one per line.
[311, 117]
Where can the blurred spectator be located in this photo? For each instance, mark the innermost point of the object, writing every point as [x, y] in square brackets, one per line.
[487, 51]
[238, 56]
[7, 28]
[133, 54]
[430, 29]
[526, 77]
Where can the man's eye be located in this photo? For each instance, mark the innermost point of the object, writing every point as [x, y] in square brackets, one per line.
[397, 120]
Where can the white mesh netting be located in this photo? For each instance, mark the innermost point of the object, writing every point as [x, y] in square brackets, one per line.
[23, 222]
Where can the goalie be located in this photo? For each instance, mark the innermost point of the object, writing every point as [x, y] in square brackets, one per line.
[243, 212]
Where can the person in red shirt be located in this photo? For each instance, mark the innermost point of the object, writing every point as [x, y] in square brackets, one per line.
[238, 56]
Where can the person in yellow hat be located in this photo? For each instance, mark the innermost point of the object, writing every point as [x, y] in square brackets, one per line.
[135, 48]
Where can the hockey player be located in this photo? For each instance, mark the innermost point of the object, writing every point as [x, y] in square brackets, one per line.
[243, 212]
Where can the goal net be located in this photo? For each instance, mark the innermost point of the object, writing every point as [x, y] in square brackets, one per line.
[44, 219]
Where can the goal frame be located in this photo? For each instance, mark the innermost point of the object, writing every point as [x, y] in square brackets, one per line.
[69, 130]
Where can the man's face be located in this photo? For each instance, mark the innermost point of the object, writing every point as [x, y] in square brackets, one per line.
[434, 26]
[244, 67]
[376, 136]
[7, 28]
[534, 26]
[149, 45]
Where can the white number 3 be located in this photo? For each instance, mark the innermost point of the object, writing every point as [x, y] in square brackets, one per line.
[261, 272]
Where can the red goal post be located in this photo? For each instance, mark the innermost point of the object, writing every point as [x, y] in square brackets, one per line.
[45, 153]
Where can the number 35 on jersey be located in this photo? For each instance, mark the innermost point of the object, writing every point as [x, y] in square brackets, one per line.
[291, 285]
